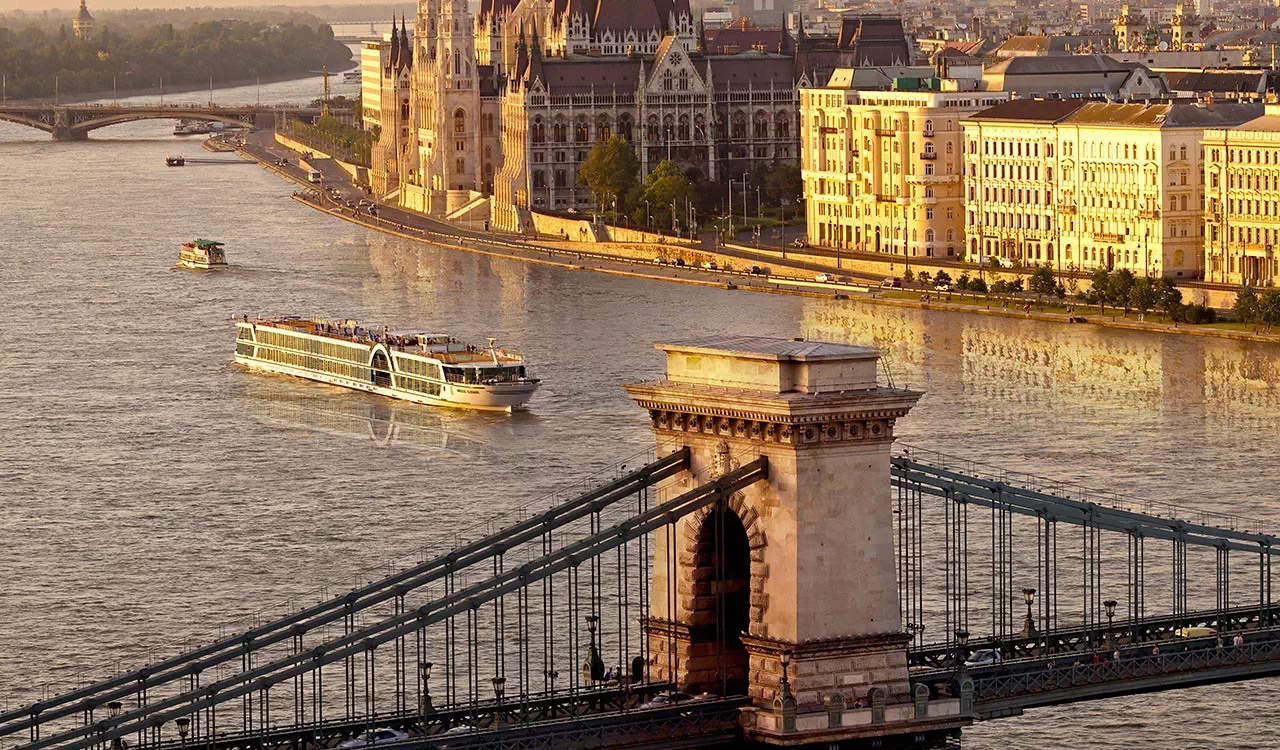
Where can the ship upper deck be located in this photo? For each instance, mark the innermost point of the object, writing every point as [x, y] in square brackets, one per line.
[437, 346]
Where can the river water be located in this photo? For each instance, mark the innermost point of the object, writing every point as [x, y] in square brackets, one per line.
[151, 490]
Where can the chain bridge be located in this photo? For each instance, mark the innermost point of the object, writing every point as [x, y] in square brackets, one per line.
[773, 573]
[75, 122]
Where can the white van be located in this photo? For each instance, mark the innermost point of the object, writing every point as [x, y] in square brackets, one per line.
[313, 176]
[824, 278]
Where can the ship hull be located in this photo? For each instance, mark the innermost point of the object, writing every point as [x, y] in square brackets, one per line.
[500, 398]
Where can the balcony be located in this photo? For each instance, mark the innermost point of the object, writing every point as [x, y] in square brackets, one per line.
[929, 155]
[1153, 213]
[887, 131]
[1104, 237]
[1068, 208]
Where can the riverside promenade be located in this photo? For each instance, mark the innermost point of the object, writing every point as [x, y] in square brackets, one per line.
[789, 276]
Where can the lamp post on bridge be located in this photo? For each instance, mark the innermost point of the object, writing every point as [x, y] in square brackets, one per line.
[1029, 625]
[113, 711]
[1110, 604]
[499, 689]
[184, 725]
[962, 644]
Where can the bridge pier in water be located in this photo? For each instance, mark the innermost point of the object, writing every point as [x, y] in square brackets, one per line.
[787, 589]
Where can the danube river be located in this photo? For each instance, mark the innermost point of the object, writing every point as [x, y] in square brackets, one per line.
[151, 490]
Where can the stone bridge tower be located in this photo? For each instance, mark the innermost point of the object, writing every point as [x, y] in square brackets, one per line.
[799, 569]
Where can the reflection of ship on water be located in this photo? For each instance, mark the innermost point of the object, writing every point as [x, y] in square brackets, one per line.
[1243, 377]
[350, 414]
[897, 332]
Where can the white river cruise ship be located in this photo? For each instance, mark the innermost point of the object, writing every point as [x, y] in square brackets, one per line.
[426, 368]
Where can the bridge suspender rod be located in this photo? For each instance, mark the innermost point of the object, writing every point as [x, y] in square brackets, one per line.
[461, 602]
[330, 610]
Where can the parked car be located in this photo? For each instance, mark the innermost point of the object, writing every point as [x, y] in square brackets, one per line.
[983, 657]
[660, 261]
[824, 278]
[942, 287]
[892, 282]
[799, 242]
[379, 736]
[709, 265]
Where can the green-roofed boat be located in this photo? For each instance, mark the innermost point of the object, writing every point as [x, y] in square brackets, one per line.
[202, 254]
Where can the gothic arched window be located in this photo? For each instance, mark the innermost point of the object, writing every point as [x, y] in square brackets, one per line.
[459, 122]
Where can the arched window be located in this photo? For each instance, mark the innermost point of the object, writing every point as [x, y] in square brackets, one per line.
[651, 126]
[699, 128]
[459, 122]
[682, 130]
[539, 132]
[760, 125]
[782, 125]
[582, 132]
[625, 127]
[739, 127]
[928, 127]
[684, 80]
[559, 131]
[604, 129]
[928, 235]
[539, 178]
[667, 84]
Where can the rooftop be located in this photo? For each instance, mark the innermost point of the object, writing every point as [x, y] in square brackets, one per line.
[767, 348]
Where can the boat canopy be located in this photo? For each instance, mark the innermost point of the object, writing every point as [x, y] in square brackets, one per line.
[208, 243]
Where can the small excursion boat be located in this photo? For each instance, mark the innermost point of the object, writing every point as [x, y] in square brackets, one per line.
[175, 161]
[426, 368]
[202, 254]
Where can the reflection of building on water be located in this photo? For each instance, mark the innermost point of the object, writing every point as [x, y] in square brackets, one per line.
[348, 414]
[899, 333]
[1242, 376]
[1102, 367]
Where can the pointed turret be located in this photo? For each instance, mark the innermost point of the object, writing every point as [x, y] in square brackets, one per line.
[406, 45]
[393, 59]
[522, 56]
[535, 56]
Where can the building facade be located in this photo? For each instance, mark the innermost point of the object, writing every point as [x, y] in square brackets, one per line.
[1088, 185]
[82, 24]
[1242, 202]
[392, 116]
[883, 170]
[506, 104]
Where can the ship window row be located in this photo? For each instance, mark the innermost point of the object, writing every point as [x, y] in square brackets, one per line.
[419, 386]
[310, 362]
[313, 346]
[418, 367]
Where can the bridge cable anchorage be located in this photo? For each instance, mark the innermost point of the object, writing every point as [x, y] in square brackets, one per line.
[461, 602]
[343, 607]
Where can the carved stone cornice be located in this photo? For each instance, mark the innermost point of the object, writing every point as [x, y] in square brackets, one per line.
[786, 418]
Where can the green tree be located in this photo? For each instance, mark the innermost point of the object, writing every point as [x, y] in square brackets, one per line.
[942, 278]
[924, 277]
[610, 172]
[964, 282]
[1144, 295]
[1042, 282]
[1269, 309]
[1120, 287]
[783, 183]
[1100, 282]
[666, 186]
[978, 285]
[1170, 297]
[1247, 307]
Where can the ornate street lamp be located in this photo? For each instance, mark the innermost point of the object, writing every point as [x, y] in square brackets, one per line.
[1110, 604]
[551, 676]
[1029, 625]
[962, 644]
[499, 689]
[184, 725]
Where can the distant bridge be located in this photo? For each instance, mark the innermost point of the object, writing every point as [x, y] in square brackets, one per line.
[74, 122]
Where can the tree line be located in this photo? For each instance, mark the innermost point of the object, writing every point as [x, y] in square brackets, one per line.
[129, 57]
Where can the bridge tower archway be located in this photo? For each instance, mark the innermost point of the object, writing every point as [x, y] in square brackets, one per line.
[720, 579]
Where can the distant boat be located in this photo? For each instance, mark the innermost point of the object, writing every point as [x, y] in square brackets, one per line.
[175, 161]
[352, 76]
[202, 255]
[197, 127]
